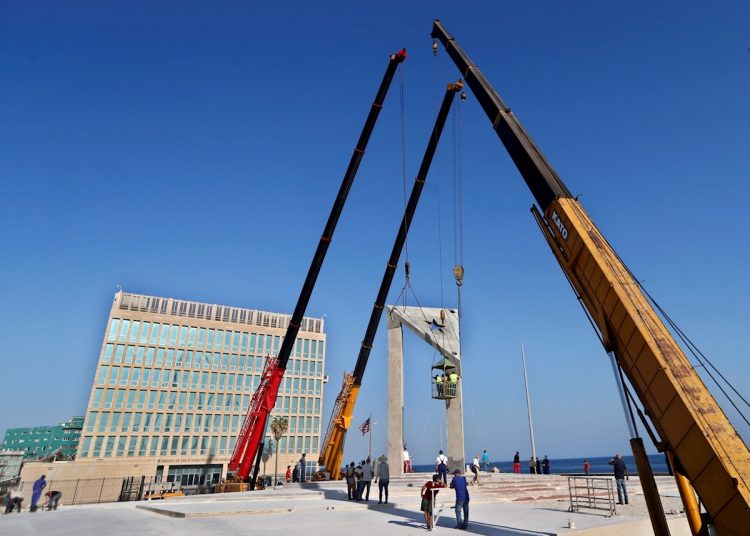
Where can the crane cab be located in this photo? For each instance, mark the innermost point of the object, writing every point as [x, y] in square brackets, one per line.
[444, 380]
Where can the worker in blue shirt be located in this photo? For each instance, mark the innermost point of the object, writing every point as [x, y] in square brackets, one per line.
[485, 460]
[458, 483]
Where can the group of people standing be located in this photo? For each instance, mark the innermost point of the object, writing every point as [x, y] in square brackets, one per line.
[359, 479]
[13, 500]
[430, 490]
[536, 466]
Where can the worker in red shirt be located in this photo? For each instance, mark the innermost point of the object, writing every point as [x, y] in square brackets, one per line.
[429, 491]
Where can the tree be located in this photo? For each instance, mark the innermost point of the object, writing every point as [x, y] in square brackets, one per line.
[279, 426]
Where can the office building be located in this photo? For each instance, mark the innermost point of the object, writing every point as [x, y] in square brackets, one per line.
[174, 380]
[37, 442]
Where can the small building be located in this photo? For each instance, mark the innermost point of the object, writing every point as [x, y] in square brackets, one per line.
[40, 442]
[10, 464]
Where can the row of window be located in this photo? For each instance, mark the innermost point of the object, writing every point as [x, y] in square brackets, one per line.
[177, 422]
[171, 358]
[114, 446]
[185, 379]
[139, 399]
[217, 339]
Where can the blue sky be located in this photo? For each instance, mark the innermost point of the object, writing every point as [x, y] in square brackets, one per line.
[193, 150]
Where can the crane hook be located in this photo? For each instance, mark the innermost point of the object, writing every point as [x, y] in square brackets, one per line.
[434, 47]
[458, 274]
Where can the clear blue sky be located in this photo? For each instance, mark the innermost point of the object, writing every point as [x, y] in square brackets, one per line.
[193, 150]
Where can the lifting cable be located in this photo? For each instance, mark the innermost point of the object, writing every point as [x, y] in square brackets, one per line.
[403, 164]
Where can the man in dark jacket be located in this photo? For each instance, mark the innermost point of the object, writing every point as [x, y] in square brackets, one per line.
[621, 472]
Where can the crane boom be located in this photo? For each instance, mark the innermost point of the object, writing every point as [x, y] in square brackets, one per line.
[333, 445]
[254, 426]
[692, 426]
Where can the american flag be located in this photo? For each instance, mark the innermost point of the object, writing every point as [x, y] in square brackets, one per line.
[365, 426]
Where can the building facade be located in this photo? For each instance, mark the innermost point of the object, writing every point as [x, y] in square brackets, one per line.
[43, 441]
[10, 464]
[174, 380]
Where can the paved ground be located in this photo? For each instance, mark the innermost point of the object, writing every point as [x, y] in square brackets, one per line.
[505, 505]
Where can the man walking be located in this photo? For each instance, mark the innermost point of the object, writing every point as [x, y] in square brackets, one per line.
[383, 476]
[545, 465]
[458, 483]
[621, 472]
[351, 483]
[367, 478]
[302, 468]
[485, 460]
[517, 463]
[407, 461]
[36, 492]
[441, 467]
[475, 470]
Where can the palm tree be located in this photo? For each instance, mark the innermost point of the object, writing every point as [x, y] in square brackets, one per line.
[279, 426]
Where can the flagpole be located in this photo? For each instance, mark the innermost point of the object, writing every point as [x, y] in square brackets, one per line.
[369, 448]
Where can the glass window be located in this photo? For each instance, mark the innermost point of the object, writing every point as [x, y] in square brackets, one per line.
[159, 357]
[233, 362]
[173, 334]
[137, 421]
[131, 398]
[143, 447]
[97, 398]
[144, 332]
[251, 346]
[124, 376]
[124, 330]
[147, 417]
[224, 361]
[243, 344]
[241, 363]
[151, 399]
[140, 351]
[210, 339]
[120, 398]
[170, 358]
[91, 421]
[306, 348]
[103, 421]
[154, 332]
[118, 353]
[183, 335]
[163, 334]
[125, 422]
[136, 377]
[85, 446]
[149, 357]
[113, 376]
[98, 446]
[261, 343]
[213, 380]
[113, 328]
[154, 445]
[219, 342]
[189, 359]
[141, 398]
[201, 336]
[130, 352]
[131, 446]
[108, 349]
[235, 339]
[103, 370]
[215, 361]
[146, 377]
[134, 330]
[108, 396]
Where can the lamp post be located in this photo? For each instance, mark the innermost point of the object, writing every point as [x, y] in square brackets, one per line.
[279, 426]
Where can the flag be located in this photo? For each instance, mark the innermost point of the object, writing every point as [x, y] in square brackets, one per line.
[365, 426]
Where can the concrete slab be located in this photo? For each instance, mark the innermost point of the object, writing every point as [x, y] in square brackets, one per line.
[322, 508]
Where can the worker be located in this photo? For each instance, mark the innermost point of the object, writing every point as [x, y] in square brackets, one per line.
[439, 384]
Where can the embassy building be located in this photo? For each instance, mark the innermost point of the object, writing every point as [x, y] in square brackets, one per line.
[172, 385]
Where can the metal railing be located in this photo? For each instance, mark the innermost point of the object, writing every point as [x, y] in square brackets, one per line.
[596, 493]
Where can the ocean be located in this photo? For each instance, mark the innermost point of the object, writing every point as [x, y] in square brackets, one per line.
[568, 466]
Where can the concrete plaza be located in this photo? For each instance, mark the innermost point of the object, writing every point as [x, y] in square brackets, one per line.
[504, 505]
